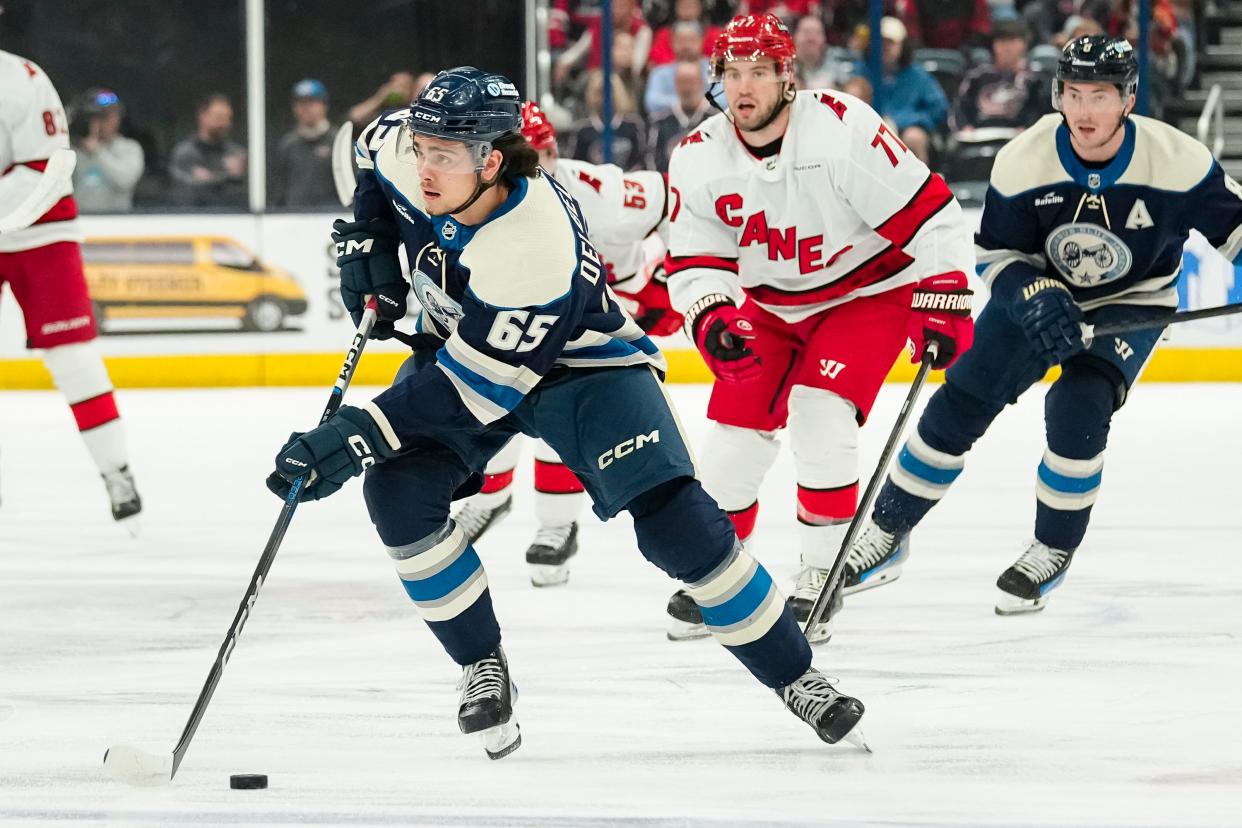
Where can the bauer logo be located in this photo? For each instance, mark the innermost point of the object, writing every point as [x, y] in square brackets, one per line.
[626, 447]
[1088, 255]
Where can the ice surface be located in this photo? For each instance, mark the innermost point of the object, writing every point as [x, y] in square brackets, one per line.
[1118, 705]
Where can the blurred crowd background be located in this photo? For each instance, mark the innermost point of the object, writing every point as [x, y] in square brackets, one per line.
[157, 91]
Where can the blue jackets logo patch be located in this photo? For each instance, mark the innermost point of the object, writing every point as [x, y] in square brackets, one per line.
[439, 305]
[1088, 255]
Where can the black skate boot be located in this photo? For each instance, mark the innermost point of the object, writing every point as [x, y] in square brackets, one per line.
[1025, 585]
[808, 583]
[874, 559]
[549, 555]
[487, 697]
[814, 700]
[126, 504]
[474, 520]
[685, 619]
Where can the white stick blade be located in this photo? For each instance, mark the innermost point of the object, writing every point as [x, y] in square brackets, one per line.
[137, 767]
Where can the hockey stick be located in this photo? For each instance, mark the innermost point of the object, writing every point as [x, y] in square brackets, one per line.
[56, 174]
[138, 767]
[1089, 332]
[825, 594]
[343, 163]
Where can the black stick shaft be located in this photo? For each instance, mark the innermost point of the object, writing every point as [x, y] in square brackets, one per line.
[864, 507]
[273, 544]
[1128, 325]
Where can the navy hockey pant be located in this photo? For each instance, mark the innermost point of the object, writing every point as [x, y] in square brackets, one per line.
[616, 431]
[1078, 411]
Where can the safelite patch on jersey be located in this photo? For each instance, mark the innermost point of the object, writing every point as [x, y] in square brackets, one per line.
[1088, 255]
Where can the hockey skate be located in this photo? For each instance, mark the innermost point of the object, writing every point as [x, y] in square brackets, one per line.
[814, 700]
[549, 555]
[126, 504]
[808, 583]
[875, 559]
[685, 619]
[487, 697]
[1024, 587]
[474, 520]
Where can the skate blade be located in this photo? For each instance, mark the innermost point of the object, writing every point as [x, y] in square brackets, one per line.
[502, 740]
[1012, 605]
[822, 634]
[549, 575]
[685, 630]
[858, 739]
[884, 576]
[132, 525]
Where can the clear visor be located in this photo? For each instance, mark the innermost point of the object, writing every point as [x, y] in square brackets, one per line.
[440, 155]
[735, 68]
[1088, 99]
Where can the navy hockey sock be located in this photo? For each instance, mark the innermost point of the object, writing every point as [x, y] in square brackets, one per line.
[932, 458]
[683, 532]
[1077, 414]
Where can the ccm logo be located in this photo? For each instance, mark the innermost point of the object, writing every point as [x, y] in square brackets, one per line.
[627, 447]
[361, 449]
[354, 246]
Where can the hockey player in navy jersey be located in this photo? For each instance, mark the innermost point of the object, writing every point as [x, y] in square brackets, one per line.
[531, 340]
[1084, 221]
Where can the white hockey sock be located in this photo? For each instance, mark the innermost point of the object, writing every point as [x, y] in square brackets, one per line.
[79, 373]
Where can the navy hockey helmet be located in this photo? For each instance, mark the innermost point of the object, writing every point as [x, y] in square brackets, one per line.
[467, 104]
[1097, 59]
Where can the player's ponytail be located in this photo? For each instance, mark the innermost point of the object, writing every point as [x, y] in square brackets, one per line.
[520, 158]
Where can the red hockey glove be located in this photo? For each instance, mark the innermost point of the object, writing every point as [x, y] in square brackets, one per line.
[940, 314]
[721, 331]
[655, 314]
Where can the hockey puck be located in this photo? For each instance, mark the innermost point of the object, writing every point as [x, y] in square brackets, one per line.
[248, 781]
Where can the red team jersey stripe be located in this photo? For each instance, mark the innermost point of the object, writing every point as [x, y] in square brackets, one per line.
[555, 478]
[884, 265]
[95, 412]
[63, 210]
[905, 224]
[820, 507]
[496, 482]
[674, 264]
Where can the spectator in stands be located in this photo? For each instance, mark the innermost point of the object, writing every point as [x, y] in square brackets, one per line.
[208, 169]
[109, 164]
[819, 66]
[689, 109]
[684, 11]
[582, 33]
[949, 24]
[687, 41]
[629, 147]
[860, 88]
[786, 10]
[397, 91]
[1003, 93]
[1075, 27]
[910, 97]
[302, 168]
[623, 64]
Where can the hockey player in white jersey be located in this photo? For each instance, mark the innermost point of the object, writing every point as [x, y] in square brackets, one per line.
[1084, 221]
[42, 265]
[805, 242]
[626, 216]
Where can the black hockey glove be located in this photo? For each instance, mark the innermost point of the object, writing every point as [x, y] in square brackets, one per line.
[366, 253]
[331, 454]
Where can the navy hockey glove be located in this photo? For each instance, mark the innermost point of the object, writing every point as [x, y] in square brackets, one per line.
[366, 253]
[334, 452]
[1050, 318]
[721, 332]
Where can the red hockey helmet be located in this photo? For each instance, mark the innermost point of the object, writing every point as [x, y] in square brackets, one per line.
[536, 128]
[754, 36]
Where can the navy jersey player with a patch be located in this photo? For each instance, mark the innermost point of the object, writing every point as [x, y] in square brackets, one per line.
[527, 338]
[1084, 221]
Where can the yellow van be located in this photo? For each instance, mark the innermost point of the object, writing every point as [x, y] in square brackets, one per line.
[187, 277]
